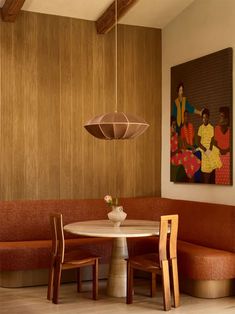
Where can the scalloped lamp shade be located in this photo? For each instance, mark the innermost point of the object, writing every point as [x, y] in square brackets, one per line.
[115, 126]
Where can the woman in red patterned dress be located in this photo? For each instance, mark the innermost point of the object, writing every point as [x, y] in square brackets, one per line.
[179, 157]
[187, 133]
[222, 141]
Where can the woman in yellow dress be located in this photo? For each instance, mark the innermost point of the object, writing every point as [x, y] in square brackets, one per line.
[210, 153]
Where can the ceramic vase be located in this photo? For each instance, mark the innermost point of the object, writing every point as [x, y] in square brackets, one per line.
[117, 215]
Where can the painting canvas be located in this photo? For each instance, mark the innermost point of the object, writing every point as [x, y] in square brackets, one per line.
[201, 120]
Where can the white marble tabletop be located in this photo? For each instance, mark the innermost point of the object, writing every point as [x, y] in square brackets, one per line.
[104, 228]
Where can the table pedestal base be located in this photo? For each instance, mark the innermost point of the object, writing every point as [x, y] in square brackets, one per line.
[116, 286]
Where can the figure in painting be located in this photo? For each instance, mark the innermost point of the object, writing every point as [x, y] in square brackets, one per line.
[181, 157]
[188, 142]
[187, 133]
[210, 153]
[222, 141]
[180, 105]
[175, 150]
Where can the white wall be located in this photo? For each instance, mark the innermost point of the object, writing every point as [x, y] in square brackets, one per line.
[204, 27]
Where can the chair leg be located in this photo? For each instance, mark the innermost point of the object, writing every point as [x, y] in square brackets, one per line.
[50, 281]
[58, 269]
[79, 281]
[95, 270]
[166, 285]
[153, 285]
[175, 279]
[129, 296]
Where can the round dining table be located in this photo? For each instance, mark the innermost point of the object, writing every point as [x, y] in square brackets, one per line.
[116, 284]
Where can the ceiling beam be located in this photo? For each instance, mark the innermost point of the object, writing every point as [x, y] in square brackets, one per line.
[11, 9]
[107, 20]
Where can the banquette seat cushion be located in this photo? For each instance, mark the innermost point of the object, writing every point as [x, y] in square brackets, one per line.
[202, 263]
[23, 255]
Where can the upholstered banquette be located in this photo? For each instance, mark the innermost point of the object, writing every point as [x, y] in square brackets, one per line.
[206, 239]
[206, 243]
[25, 237]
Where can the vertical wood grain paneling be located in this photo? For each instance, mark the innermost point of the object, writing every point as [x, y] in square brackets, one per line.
[18, 109]
[77, 110]
[88, 47]
[98, 102]
[31, 107]
[48, 68]
[1, 164]
[7, 90]
[56, 73]
[140, 68]
[65, 108]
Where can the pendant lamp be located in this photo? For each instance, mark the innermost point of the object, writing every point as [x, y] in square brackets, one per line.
[116, 125]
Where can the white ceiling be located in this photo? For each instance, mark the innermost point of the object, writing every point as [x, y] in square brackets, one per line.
[149, 13]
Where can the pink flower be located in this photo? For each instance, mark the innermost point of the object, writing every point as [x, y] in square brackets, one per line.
[108, 199]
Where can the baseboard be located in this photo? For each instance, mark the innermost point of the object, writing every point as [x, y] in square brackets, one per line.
[208, 289]
[37, 277]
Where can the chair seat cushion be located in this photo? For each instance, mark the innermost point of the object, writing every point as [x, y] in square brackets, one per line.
[24, 255]
[202, 263]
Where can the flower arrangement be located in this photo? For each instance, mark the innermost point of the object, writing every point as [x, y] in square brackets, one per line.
[111, 201]
[117, 215]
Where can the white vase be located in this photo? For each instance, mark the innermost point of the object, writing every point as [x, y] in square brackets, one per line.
[117, 215]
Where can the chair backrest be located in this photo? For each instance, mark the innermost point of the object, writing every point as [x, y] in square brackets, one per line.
[58, 244]
[168, 225]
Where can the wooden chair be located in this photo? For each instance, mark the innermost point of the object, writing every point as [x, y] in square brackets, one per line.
[159, 263]
[61, 260]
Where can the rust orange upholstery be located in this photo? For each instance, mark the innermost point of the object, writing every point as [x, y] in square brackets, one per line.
[206, 246]
[206, 236]
[23, 255]
[206, 224]
[30, 219]
[25, 231]
[202, 263]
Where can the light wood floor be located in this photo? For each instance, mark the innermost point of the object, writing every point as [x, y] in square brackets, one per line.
[33, 300]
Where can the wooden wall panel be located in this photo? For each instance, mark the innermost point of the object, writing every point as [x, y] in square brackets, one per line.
[7, 91]
[55, 74]
[48, 69]
[66, 114]
[140, 66]
[18, 111]
[77, 110]
[30, 88]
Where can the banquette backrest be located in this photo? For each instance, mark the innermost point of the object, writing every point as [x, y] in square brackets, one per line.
[207, 224]
[211, 225]
[29, 220]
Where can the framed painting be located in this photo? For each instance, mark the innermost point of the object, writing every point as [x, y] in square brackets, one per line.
[201, 120]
